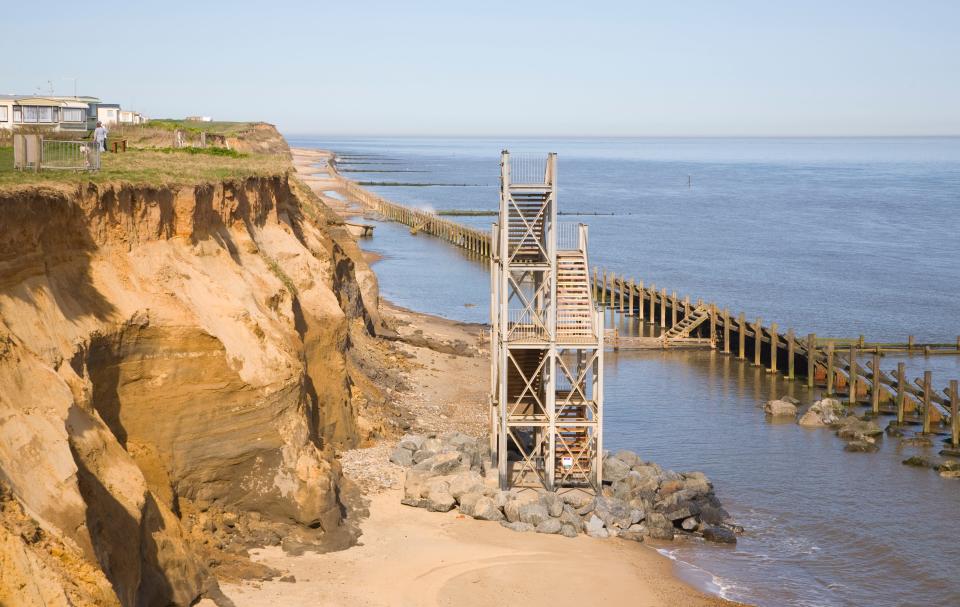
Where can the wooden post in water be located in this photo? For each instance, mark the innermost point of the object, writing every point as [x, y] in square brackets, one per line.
[673, 309]
[927, 388]
[791, 352]
[757, 341]
[596, 287]
[623, 294]
[811, 360]
[742, 334]
[653, 304]
[603, 294]
[909, 344]
[630, 292]
[774, 346]
[713, 325]
[875, 386]
[686, 306]
[640, 300]
[901, 391]
[613, 294]
[852, 384]
[830, 368]
[726, 331]
[663, 308]
[954, 414]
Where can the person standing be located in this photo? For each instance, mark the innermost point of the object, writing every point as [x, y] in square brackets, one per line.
[100, 137]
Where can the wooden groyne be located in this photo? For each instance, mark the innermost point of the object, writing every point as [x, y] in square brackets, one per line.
[833, 364]
[473, 240]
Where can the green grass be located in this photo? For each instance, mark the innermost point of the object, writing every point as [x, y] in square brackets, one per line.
[219, 128]
[152, 167]
[211, 151]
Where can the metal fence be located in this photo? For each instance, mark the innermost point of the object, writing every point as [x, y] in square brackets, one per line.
[70, 155]
[33, 152]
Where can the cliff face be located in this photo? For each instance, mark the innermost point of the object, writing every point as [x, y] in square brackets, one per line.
[166, 352]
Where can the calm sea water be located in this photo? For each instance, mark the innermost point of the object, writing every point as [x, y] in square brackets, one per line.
[835, 236]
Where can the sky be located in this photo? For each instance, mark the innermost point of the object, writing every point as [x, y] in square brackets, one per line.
[587, 68]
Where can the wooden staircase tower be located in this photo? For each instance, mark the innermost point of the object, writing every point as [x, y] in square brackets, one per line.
[546, 378]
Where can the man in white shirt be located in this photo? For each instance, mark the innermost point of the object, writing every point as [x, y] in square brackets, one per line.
[100, 136]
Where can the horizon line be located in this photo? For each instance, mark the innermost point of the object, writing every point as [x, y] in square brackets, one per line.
[599, 136]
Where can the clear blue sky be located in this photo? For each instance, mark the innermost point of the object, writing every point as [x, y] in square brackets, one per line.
[508, 68]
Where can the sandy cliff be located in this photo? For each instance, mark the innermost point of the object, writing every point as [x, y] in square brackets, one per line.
[174, 370]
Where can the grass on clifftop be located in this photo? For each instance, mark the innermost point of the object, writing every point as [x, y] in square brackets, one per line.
[152, 167]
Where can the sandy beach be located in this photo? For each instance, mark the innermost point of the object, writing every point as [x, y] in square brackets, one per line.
[409, 556]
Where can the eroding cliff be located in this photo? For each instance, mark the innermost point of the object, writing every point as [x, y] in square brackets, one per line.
[168, 354]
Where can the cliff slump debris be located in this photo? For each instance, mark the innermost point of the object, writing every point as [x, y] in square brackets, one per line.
[174, 377]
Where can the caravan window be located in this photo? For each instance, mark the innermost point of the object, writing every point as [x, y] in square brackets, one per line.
[44, 114]
[3, 113]
[71, 115]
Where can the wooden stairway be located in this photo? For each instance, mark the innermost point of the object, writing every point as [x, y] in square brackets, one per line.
[682, 329]
[574, 300]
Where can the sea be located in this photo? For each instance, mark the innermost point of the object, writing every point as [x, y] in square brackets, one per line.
[840, 237]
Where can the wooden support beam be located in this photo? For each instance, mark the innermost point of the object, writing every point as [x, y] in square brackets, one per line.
[663, 308]
[875, 385]
[901, 391]
[713, 325]
[603, 294]
[686, 306]
[910, 344]
[640, 298]
[726, 331]
[742, 335]
[852, 376]
[791, 352]
[774, 347]
[653, 304]
[673, 309]
[830, 368]
[596, 286]
[757, 341]
[811, 360]
[927, 389]
[630, 291]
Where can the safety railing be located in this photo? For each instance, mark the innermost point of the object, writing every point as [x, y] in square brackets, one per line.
[33, 152]
[70, 155]
[524, 325]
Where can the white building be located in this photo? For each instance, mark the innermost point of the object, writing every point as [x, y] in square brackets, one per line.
[53, 113]
[108, 113]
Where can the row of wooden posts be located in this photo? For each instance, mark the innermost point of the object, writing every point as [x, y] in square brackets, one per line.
[821, 361]
[827, 362]
[471, 239]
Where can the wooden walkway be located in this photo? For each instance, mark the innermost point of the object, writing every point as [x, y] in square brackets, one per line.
[821, 362]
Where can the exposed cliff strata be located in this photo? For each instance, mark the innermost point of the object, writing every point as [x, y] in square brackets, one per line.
[167, 351]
